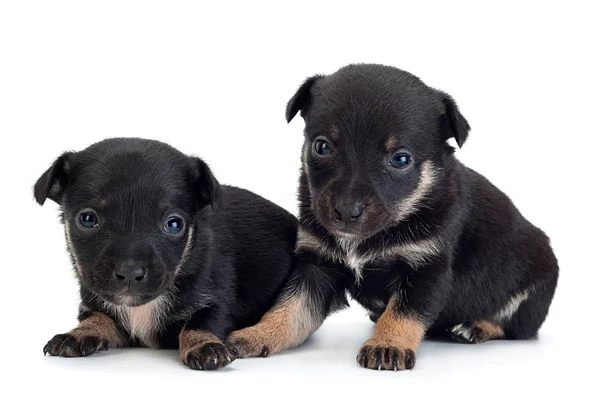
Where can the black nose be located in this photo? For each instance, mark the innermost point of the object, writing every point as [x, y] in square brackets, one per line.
[130, 272]
[348, 211]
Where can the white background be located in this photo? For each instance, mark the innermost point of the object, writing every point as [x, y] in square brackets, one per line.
[214, 81]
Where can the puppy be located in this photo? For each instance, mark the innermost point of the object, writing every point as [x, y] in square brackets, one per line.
[390, 216]
[165, 256]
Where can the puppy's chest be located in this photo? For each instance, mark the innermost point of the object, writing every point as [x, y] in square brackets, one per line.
[144, 323]
[395, 258]
[368, 264]
[370, 275]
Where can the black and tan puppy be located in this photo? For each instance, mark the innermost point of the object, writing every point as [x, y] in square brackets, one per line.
[166, 257]
[389, 215]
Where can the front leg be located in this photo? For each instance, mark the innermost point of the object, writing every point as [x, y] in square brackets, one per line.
[96, 331]
[412, 308]
[312, 291]
[201, 345]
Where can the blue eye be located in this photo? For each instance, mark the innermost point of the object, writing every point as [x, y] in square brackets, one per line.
[322, 147]
[400, 160]
[88, 219]
[174, 225]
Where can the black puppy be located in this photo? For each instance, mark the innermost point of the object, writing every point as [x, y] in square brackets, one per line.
[388, 214]
[165, 256]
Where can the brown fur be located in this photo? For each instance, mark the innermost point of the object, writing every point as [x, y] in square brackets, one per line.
[200, 349]
[334, 133]
[391, 144]
[190, 340]
[488, 331]
[283, 327]
[394, 342]
[101, 326]
[404, 331]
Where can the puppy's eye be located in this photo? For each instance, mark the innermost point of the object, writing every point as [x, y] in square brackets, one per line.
[174, 224]
[400, 160]
[88, 219]
[322, 147]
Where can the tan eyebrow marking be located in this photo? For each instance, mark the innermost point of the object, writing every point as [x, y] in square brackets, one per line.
[391, 144]
[334, 132]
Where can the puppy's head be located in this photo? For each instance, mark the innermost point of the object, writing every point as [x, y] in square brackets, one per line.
[375, 141]
[130, 207]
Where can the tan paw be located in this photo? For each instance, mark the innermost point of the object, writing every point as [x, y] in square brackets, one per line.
[249, 342]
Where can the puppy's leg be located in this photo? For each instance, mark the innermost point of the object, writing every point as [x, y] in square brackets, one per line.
[201, 343]
[310, 294]
[96, 331]
[476, 332]
[412, 308]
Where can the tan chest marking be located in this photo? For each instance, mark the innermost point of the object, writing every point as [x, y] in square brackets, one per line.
[414, 253]
[143, 322]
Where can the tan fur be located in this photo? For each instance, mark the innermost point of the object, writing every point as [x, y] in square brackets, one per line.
[144, 322]
[284, 327]
[491, 331]
[186, 250]
[411, 204]
[189, 340]
[394, 330]
[506, 313]
[101, 326]
[305, 150]
[334, 133]
[414, 253]
[307, 241]
[391, 144]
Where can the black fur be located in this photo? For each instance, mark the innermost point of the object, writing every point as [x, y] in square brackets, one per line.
[488, 252]
[241, 248]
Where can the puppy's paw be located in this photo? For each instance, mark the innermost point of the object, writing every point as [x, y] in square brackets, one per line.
[68, 345]
[209, 356]
[476, 332]
[249, 342]
[380, 355]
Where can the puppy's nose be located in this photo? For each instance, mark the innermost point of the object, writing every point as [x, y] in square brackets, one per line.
[348, 211]
[130, 272]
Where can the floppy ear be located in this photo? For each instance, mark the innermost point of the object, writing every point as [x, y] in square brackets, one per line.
[302, 99]
[454, 124]
[207, 188]
[52, 184]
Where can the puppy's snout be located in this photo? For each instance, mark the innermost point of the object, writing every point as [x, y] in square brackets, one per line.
[130, 272]
[348, 210]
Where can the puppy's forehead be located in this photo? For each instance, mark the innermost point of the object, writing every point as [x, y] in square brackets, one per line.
[133, 179]
[385, 109]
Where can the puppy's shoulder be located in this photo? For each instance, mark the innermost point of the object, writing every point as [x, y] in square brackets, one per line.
[249, 208]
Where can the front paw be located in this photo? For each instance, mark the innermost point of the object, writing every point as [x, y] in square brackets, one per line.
[210, 356]
[380, 355]
[249, 343]
[68, 345]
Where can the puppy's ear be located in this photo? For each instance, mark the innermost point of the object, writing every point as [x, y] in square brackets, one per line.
[454, 125]
[207, 188]
[302, 99]
[52, 184]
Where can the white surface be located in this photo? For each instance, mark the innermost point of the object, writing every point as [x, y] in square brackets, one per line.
[214, 81]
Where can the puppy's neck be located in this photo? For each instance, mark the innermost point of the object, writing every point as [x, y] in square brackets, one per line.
[144, 322]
